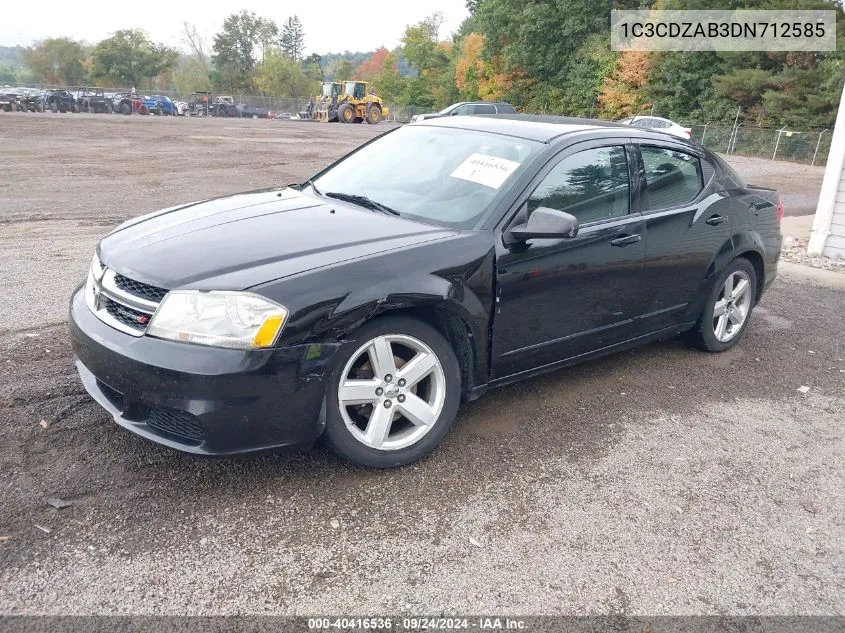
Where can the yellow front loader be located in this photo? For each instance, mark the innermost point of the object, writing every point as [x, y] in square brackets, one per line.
[358, 104]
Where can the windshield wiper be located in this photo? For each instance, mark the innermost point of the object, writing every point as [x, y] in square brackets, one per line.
[362, 201]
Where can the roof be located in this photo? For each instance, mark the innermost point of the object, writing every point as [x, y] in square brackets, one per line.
[534, 127]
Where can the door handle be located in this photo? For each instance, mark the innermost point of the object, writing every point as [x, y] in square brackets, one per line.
[625, 240]
[713, 220]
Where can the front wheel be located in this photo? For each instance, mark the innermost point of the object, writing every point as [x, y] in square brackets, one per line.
[727, 310]
[393, 395]
[346, 113]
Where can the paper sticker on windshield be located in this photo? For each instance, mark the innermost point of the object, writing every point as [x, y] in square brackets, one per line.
[490, 171]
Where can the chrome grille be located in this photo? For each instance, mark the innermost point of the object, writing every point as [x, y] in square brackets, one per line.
[145, 291]
[129, 317]
[123, 303]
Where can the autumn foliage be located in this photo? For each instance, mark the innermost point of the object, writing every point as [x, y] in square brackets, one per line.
[621, 94]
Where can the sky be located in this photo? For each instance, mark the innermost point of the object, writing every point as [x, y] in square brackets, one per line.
[331, 26]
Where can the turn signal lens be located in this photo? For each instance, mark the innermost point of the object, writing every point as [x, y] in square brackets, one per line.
[268, 331]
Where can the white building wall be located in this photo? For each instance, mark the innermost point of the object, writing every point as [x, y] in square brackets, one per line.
[828, 236]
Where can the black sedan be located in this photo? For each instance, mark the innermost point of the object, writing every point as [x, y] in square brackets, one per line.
[428, 266]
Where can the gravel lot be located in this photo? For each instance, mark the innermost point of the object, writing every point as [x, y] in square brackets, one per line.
[658, 481]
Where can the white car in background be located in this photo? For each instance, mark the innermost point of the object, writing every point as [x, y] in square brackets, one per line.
[657, 123]
[181, 108]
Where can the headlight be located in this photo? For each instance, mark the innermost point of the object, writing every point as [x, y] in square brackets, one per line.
[241, 320]
[97, 268]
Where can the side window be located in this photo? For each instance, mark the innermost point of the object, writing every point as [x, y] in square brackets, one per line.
[462, 110]
[592, 185]
[485, 108]
[672, 178]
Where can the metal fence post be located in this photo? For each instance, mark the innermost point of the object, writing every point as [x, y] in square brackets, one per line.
[817, 145]
[780, 131]
[704, 133]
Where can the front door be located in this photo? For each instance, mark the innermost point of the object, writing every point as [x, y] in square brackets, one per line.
[561, 298]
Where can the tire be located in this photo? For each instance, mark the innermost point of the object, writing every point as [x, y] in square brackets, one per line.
[437, 394]
[109, 108]
[374, 115]
[346, 113]
[709, 333]
[159, 111]
[54, 107]
[125, 108]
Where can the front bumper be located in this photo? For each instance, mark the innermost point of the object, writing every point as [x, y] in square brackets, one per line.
[198, 399]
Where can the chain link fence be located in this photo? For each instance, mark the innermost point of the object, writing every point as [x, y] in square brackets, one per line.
[798, 146]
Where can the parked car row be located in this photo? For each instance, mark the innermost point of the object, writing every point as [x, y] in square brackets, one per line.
[97, 100]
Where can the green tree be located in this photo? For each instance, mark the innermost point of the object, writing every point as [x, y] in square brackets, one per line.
[128, 57]
[57, 61]
[562, 47]
[190, 75]
[340, 70]
[389, 82]
[313, 66]
[292, 39]
[234, 49]
[281, 76]
[680, 87]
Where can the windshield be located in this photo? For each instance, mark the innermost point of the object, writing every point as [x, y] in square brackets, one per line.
[442, 176]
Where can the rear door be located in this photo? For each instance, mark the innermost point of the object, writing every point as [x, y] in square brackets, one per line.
[686, 226]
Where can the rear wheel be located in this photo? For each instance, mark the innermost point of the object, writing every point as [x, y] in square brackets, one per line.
[125, 108]
[54, 107]
[727, 310]
[109, 108]
[393, 395]
[346, 113]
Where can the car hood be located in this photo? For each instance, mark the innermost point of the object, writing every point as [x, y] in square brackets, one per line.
[238, 241]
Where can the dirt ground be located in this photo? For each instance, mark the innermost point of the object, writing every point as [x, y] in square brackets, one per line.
[657, 481]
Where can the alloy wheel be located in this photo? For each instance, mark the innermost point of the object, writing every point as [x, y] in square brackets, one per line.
[391, 392]
[732, 306]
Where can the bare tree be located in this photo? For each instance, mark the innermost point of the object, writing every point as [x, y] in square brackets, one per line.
[196, 42]
[434, 23]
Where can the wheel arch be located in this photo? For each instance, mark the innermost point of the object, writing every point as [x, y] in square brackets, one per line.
[756, 260]
[458, 316]
[454, 328]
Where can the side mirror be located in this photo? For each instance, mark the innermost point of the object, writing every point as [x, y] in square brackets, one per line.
[545, 223]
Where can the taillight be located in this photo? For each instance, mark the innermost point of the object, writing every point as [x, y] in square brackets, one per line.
[779, 209]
